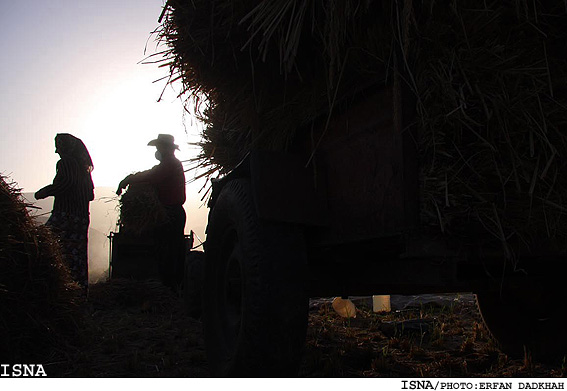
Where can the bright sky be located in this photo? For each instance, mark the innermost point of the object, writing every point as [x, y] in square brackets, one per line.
[71, 66]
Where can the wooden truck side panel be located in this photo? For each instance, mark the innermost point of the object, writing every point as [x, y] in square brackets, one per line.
[361, 160]
[353, 177]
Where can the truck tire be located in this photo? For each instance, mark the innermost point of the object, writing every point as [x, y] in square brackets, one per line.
[527, 322]
[193, 283]
[254, 306]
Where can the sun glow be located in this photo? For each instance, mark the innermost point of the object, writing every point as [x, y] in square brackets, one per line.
[123, 119]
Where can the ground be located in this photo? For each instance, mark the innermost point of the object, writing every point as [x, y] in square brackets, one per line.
[140, 329]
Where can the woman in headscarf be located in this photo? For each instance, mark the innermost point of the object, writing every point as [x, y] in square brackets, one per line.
[73, 189]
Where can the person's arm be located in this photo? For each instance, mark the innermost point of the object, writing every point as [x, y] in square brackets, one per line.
[150, 176]
[123, 184]
[61, 183]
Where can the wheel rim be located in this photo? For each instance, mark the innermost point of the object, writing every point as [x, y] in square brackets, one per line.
[231, 294]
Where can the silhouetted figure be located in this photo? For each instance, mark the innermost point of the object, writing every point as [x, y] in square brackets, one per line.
[73, 189]
[168, 179]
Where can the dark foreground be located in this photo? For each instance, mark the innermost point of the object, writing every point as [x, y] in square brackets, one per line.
[140, 329]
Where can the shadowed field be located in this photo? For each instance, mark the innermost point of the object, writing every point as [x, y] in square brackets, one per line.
[140, 329]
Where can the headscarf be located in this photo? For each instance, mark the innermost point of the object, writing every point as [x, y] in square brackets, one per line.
[70, 146]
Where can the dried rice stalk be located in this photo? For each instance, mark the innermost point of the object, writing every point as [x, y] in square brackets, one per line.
[140, 210]
[38, 300]
[489, 78]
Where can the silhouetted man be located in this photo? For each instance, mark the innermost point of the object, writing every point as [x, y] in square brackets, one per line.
[168, 179]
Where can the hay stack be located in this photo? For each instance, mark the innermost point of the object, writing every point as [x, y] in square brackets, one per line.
[37, 296]
[489, 80]
[256, 73]
[141, 212]
[491, 83]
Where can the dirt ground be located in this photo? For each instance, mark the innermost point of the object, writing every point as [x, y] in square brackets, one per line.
[429, 340]
[140, 329]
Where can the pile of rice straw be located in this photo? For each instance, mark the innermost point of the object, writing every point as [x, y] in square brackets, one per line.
[38, 300]
[489, 80]
[141, 212]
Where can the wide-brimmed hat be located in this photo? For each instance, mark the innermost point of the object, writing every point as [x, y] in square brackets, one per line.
[166, 140]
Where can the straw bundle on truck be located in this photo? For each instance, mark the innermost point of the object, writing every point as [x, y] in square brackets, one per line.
[141, 215]
[489, 81]
[141, 212]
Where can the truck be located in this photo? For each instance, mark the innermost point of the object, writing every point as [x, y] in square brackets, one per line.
[344, 208]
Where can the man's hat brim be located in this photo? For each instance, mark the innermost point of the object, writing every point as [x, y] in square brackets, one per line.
[155, 143]
[163, 140]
